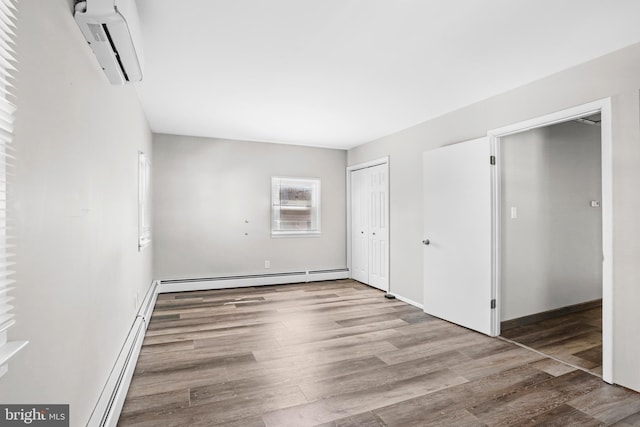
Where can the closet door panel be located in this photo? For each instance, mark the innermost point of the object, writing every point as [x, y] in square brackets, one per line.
[379, 227]
[360, 226]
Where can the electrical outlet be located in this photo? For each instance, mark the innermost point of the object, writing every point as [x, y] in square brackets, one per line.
[267, 264]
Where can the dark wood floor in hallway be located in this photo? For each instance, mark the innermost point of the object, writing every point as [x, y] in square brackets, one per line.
[340, 354]
[575, 338]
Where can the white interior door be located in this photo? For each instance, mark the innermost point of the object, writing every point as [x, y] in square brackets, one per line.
[359, 226]
[458, 234]
[378, 227]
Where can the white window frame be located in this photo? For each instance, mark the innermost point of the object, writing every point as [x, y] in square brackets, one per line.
[144, 206]
[280, 205]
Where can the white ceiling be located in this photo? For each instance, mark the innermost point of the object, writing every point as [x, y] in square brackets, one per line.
[339, 73]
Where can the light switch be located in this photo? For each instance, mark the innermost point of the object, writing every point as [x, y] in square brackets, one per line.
[595, 203]
[514, 212]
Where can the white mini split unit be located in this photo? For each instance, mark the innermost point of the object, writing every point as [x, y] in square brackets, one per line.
[110, 27]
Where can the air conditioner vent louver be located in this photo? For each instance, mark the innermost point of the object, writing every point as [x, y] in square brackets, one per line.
[109, 27]
[97, 33]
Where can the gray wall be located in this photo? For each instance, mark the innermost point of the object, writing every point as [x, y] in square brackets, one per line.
[75, 206]
[616, 75]
[205, 190]
[552, 250]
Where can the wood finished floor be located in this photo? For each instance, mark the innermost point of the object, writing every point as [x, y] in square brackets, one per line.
[575, 338]
[340, 354]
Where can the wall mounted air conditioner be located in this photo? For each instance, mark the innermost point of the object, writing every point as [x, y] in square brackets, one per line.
[111, 29]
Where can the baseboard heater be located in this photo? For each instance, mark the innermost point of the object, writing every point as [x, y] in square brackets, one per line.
[107, 410]
[225, 282]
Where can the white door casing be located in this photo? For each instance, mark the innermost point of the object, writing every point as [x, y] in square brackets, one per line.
[603, 106]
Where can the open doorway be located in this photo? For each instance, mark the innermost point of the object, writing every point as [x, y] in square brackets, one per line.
[453, 180]
[551, 240]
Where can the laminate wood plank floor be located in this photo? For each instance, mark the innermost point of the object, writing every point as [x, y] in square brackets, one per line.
[575, 338]
[339, 354]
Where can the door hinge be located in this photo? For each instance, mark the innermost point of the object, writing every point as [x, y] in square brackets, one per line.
[492, 160]
[493, 303]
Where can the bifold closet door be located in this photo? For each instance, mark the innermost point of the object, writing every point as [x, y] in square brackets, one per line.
[378, 228]
[359, 226]
[370, 226]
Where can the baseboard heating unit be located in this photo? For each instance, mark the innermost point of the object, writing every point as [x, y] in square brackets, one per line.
[225, 282]
[107, 410]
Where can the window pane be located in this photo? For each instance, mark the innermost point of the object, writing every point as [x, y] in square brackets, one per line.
[295, 206]
[144, 208]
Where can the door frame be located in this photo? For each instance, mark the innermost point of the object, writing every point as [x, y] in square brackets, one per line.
[602, 106]
[349, 170]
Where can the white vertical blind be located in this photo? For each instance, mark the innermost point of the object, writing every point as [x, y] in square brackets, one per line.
[7, 67]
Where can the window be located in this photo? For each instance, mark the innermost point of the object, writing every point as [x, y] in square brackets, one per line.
[8, 349]
[295, 206]
[144, 208]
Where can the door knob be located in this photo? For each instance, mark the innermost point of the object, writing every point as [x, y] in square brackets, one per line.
[426, 242]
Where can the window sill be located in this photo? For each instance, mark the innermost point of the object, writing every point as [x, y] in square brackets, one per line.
[8, 350]
[280, 235]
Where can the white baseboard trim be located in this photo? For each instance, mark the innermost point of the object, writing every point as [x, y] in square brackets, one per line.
[107, 410]
[251, 280]
[408, 301]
